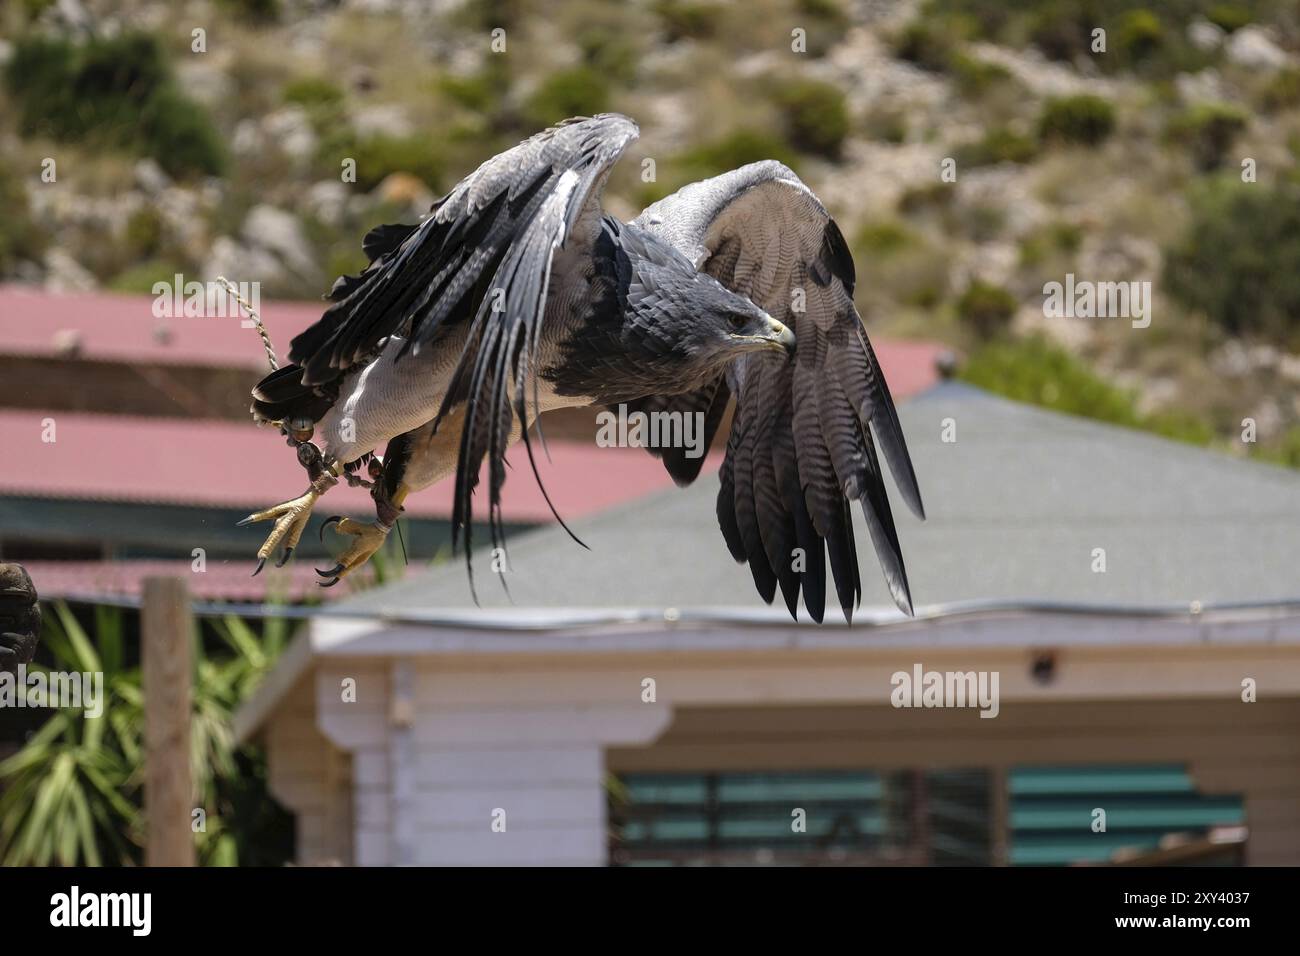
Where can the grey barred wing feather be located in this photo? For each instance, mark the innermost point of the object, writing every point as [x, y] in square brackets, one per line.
[482, 259]
[801, 446]
[710, 402]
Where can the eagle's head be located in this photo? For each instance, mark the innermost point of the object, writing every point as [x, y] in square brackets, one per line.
[681, 319]
[721, 326]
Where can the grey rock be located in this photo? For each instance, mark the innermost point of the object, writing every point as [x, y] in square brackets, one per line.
[1253, 46]
[327, 200]
[150, 177]
[280, 232]
[291, 130]
[383, 120]
[247, 139]
[65, 274]
[202, 78]
[1204, 35]
[241, 262]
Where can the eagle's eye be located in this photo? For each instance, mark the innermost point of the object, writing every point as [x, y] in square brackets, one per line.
[736, 320]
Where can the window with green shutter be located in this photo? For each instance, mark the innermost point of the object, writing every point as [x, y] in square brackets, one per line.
[1055, 815]
[1054, 818]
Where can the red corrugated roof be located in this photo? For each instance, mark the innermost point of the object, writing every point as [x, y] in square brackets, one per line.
[225, 464]
[228, 464]
[910, 367]
[123, 328]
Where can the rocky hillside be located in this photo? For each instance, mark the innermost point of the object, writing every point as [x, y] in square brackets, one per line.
[973, 151]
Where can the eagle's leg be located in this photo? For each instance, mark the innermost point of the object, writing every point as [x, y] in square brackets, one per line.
[369, 538]
[291, 516]
[412, 461]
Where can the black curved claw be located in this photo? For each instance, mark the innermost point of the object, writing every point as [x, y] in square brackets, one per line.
[332, 572]
[288, 553]
[332, 519]
[329, 584]
[261, 563]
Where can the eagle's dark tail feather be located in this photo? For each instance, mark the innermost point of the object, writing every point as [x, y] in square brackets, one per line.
[281, 396]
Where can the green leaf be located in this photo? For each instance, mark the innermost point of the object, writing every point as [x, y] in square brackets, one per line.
[84, 657]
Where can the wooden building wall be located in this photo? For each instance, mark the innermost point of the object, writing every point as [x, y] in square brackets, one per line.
[414, 768]
[1231, 748]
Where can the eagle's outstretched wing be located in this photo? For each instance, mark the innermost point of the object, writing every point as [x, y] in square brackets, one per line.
[483, 257]
[800, 449]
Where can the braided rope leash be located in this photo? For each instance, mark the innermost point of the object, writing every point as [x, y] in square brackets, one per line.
[257, 321]
[354, 480]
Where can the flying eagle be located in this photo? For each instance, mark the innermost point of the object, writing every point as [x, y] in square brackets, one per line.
[518, 294]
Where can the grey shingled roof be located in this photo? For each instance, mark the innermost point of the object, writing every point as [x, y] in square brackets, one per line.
[1015, 507]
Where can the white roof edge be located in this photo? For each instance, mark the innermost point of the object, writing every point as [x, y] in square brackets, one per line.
[981, 626]
[552, 618]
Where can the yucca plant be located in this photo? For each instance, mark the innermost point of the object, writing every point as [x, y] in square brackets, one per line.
[73, 795]
[254, 651]
[69, 796]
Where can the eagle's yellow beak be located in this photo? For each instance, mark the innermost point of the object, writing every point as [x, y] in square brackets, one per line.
[781, 335]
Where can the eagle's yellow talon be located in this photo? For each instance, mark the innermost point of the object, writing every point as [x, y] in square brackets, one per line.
[369, 539]
[290, 518]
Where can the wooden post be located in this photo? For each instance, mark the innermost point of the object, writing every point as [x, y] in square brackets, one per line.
[1000, 817]
[168, 799]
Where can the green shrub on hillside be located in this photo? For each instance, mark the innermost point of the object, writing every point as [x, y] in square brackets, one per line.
[324, 103]
[883, 239]
[980, 221]
[1284, 450]
[897, 266]
[689, 19]
[31, 9]
[926, 200]
[737, 149]
[1053, 240]
[483, 92]
[1085, 119]
[179, 135]
[986, 309]
[1060, 31]
[143, 236]
[886, 125]
[814, 115]
[1283, 90]
[20, 238]
[825, 21]
[116, 92]
[1239, 261]
[1149, 36]
[139, 279]
[580, 91]
[312, 91]
[973, 77]
[1039, 372]
[612, 53]
[928, 44]
[379, 156]
[1140, 36]
[1206, 130]
[257, 11]
[998, 145]
[718, 156]
[830, 11]
[1228, 17]
[482, 16]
